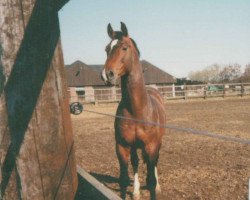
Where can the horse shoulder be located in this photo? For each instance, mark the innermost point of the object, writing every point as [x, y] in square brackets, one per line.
[124, 128]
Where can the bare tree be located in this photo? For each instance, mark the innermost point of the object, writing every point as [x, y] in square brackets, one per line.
[230, 73]
[246, 75]
[215, 73]
[247, 70]
[209, 74]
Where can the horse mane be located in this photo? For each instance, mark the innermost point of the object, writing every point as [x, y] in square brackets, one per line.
[135, 45]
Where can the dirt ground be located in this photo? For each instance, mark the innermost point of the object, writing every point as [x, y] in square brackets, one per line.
[190, 166]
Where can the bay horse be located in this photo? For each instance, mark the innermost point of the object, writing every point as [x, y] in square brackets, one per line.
[137, 102]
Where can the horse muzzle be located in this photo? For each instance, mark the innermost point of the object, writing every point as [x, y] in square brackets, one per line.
[108, 77]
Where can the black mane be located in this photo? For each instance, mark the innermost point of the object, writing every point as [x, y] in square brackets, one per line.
[135, 45]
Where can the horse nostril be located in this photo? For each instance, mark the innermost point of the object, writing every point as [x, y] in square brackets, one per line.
[110, 74]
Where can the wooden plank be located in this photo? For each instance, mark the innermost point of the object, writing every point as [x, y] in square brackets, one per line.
[37, 143]
[12, 189]
[51, 147]
[60, 3]
[10, 27]
[12, 30]
[67, 183]
[99, 187]
[63, 98]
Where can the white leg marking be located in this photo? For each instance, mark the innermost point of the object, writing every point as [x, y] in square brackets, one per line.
[158, 187]
[136, 185]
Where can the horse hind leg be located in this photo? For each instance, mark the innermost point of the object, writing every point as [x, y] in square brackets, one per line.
[158, 187]
[135, 162]
[151, 158]
[151, 180]
[123, 154]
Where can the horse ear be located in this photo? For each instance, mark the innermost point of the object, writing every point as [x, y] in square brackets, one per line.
[110, 31]
[124, 29]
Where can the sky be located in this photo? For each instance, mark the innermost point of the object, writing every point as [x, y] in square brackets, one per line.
[178, 36]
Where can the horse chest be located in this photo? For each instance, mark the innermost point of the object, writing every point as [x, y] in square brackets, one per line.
[133, 132]
[127, 131]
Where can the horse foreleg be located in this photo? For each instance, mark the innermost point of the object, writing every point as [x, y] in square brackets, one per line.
[123, 154]
[135, 162]
[151, 156]
[151, 180]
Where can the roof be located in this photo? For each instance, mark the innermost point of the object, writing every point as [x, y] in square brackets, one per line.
[154, 75]
[97, 68]
[80, 74]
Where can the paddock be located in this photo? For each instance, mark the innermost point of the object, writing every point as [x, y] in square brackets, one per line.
[190, 166]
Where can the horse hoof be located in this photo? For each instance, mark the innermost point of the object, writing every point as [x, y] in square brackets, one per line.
[158, 189]
[136, 196]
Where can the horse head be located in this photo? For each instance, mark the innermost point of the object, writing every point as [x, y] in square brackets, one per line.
[121, 52]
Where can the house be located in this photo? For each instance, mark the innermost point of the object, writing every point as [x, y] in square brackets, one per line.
[84, 81]
[154, 76]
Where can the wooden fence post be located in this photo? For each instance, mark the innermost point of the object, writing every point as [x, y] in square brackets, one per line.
[185, 92]
[173, 90]
[113, 93]
[205, 91]
[224, 90]
[242, 89]
[36, 143]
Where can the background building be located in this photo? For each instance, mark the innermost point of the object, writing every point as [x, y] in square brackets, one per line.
[84, 81]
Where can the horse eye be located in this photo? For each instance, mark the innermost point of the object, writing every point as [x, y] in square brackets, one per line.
[124, 48]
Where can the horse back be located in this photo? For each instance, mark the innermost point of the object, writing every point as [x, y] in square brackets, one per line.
[152, 92]
[157, 103]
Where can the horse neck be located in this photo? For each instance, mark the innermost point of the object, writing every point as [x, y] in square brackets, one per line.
[134, 90]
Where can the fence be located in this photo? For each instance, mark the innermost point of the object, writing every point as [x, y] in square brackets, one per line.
[168, 92]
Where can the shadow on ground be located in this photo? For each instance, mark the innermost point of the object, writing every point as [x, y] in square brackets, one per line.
[86, 191]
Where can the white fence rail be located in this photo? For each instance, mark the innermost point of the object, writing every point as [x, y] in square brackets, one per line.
[90, 95]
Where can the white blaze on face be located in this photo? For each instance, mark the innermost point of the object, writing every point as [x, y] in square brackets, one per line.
[113, 43]
[104, 76]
